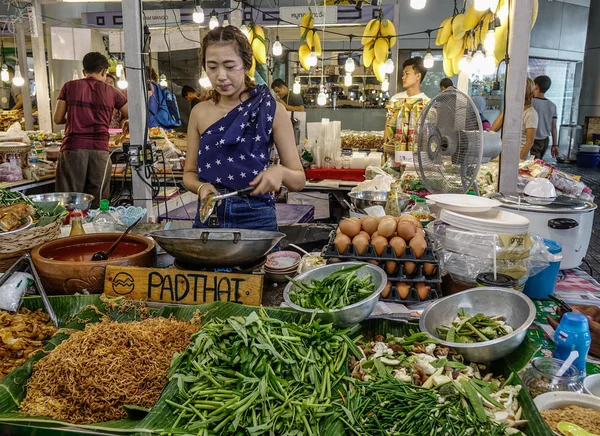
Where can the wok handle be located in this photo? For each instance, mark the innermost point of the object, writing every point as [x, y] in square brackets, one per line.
[237, 237]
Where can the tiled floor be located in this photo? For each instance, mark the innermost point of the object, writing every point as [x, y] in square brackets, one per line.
[591, 177]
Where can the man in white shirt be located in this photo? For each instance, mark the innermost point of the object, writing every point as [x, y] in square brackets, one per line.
[413, 73]
[547, 119]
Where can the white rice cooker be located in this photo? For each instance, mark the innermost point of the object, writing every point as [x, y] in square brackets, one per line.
[563, 219]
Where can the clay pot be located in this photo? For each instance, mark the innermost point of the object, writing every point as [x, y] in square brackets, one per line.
[63, 269]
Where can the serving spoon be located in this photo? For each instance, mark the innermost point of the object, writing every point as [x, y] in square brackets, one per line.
[101, 255]
[570, 429]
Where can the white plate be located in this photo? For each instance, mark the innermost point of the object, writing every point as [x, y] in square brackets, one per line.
[494, 221]
[463, 202]
[24, 226]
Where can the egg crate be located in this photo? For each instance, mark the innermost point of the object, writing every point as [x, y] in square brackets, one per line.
[413, 297]
[399, 274]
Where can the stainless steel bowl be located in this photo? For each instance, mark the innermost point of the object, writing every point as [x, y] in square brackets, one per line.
[362, 199]
[217, 247]
[516, 307]
[349, 315]
[70, 200]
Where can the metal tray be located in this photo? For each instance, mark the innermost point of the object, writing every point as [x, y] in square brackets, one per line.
[217, 247]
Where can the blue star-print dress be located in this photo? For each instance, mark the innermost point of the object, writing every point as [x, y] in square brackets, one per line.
[232, 152]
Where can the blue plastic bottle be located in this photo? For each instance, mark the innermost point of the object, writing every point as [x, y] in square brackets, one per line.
[573, 333]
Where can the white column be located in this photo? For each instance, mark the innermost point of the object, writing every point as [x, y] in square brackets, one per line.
[39, 67]
[397, 68]
[138, 114]
[25, 91]
[518, 53]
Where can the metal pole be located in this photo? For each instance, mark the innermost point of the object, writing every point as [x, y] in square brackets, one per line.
[397, 68]
[136, 91]
[39, 67]
[25, 91]
[516, 77]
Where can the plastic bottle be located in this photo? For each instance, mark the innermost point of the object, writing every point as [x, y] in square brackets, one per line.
[573, 333]
[421, 211]
[76, 223]
[33, 157]
[104, 222]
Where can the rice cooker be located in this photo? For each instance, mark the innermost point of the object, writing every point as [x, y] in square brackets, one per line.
[563, 219]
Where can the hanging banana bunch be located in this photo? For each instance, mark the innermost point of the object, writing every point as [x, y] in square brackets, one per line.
[311, 38]
[378, 38]
[256, 36]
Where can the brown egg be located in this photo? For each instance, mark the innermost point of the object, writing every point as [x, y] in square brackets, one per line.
[418, 244]
[350, 227]
[353, 218]
[398, 245]
[406, 230]
[360, 242]
[374, 235]
[379, 244]
[386, 227]
[369, 224]
[429, 269]
[390, 267]
[422, 290]
[403, 290]
[409, 268]
[409, 218]
[374, 262]
[334, 260]
[420, 232]
[341, 241]
[386, 290]
[362, 232]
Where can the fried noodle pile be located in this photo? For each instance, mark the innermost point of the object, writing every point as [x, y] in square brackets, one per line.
[21, 335]
[91, 375]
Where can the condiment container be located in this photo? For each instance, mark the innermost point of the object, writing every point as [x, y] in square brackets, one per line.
[392, 206]
[76, 223]
[543, 283]
[500, 281]
[421, 211]
[573, 333]
[540, 377]
[375, 158]
[104, 222]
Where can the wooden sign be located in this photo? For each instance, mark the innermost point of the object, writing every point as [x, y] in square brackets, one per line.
[174, 286]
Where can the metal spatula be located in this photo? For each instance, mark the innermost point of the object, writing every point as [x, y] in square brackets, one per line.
[207, 205]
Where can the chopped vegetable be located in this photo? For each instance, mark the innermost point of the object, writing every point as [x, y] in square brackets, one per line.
[340, 289]
[470, 329]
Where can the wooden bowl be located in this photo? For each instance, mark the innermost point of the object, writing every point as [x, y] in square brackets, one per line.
[65, 265]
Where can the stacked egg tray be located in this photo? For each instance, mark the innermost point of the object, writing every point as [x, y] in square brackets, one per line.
[399, 275]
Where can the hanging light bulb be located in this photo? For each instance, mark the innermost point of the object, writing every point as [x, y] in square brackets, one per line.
[75, 74]
[4, 73]
[18, 79]
[488, 67]
[481, 5]
[418, 4]
[296, 88]
[385, 85]
[349, 66]
[204, 80]
[348, 79]
[225, 21]
[503, 13]
[477, 62]
[389, 66]
[489, 42]
[198, 15]
[312, 59]
[244, 29]
[277, 48]
[163, 81]
[119, 69]
[464, 64]
[428, 59]
[493, 5]
[321, 98]
[122, 83]
[213, 23]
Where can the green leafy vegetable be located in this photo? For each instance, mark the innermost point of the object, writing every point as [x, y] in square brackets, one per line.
[470, 329]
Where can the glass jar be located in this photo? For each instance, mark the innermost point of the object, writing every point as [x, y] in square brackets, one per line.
[539, 378]
[421, 211]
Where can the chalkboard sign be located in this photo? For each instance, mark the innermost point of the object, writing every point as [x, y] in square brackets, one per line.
[173, 286]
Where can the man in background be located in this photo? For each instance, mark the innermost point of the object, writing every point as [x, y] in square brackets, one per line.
[192, 96]
[413, 73]
[86, 107]
[547, 119]
[446, 83]
[292, 102]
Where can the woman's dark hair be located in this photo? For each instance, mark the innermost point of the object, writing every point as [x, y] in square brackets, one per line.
[417, 64]
[113, 77]
[94, 62]
[151, 74]
[231, 35]
[187, 89]
[446, 83]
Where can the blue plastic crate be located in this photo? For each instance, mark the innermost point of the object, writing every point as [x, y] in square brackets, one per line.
[588, 160]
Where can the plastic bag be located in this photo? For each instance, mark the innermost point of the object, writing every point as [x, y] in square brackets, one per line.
[13, 290]
[16, 130]
[10, 173]
[381, 182]
[168, 148]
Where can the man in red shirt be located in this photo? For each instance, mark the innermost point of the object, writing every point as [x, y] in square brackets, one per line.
[86, 107]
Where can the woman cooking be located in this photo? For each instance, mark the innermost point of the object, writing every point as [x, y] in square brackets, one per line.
[230, 138]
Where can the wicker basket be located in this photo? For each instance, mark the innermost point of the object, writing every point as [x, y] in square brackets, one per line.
[15, 245]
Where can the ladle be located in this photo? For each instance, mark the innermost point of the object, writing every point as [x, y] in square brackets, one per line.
[101, 255]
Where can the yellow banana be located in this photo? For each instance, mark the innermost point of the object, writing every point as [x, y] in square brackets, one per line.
[303, 53]
[388, 30]
[381, 50]
[260, 51]
[252, 69]
[379, 70]
[371, 31]
[439, 39]
[457, 26]
[306, 23]
[455, 62]
[250, 34]
[481, 31]
[257, 30]
[472, 18]
[536, 7]
[448, 69]
[454, 47]
[317, 44]
[446, 31]
[501, 42]
[470, 41]
[310, 38]
[369, 54]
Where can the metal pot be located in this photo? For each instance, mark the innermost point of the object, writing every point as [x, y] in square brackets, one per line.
[70, 200]
[565, 220]
[362, 199]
